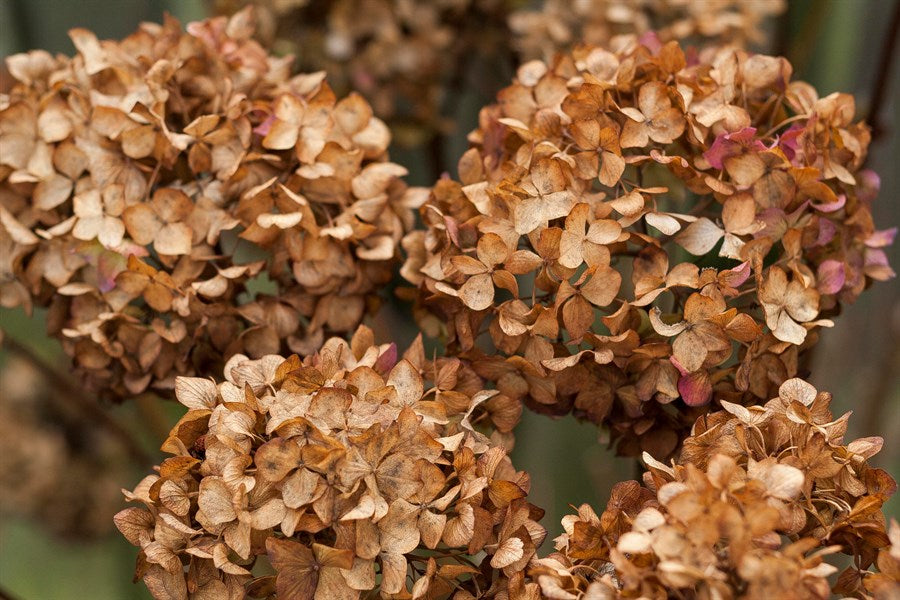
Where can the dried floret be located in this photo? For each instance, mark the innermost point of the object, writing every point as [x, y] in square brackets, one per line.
[345, 472]
[632, 231]
[178, 197]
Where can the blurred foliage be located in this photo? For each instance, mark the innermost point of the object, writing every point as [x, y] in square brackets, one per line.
[834, 44]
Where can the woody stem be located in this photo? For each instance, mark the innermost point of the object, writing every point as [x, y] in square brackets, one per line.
[71, 393]
[883, 74]
[5, 595]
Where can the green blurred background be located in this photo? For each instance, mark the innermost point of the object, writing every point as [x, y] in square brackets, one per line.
[833, 44]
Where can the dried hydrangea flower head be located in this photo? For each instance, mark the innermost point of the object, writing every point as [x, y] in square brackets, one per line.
[342, 471]
[561, 24]
[631, 230]
[759, 501]
[408, 58]
[404, 57]
[178, 197]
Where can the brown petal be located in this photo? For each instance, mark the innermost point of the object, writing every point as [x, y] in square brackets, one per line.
[700, 236]
[139, 142]
[431, 526]
[214, 500]
[136, 524]
[294, 562]
[511, 550]
[393, 569]
[141, 223]
[196, 393]
[578, 316]
[478, 292]
[173, 239]
[276, 458]
[602, 287]
[52, 191]
[405, 378]
[282, 136]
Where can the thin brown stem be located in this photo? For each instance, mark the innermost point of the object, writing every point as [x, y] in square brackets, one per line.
[875, 402]
[6, 595]
[805, 41]
[781, 39]
[69, 392]
[436, 155]
[883, 74]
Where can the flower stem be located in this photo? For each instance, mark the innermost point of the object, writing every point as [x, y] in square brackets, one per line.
[883, 74]
[70, 392]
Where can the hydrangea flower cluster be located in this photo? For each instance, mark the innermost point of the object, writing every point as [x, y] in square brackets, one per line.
[408, 58]
[757, 504]
[404, 57]
[558, 25]
[648, 237]
[634, 229]
[345, 472]
[347, 475]
[179, 197]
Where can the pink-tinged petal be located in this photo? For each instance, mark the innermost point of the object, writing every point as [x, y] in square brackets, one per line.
[264, 127]
[109, 265]
[740, 274]
[721, 149]
[678, 365]
[789, 141]
[387, 360]
[868, 185]
[202, 32]
[452, 229]
[831, 206]
[775, 222]
[827, 230]
[692, 56]
[363, 80]
[877, 266]
[733, 144]
[831, 276]
[127, 248]
[650, 41]
[746, 137]
[881, 239]
[695, 388]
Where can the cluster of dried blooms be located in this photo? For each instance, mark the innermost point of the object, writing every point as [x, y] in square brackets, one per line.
[55, 469]
[632, 230]
[560, 24]
[404, 56]
[347, 475]
[408, 58]
[759, 501]
[176, 198]
[344, 473]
